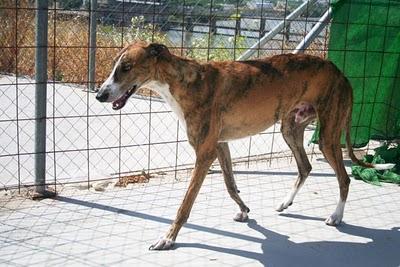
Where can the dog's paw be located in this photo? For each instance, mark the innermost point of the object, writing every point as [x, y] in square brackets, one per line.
[241, 217]
[162, 244]
[334, 219]
[283, 206]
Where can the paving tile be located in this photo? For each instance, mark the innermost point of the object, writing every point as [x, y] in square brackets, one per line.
[116, 227]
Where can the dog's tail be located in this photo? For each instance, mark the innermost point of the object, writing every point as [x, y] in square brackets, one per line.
[354, 159]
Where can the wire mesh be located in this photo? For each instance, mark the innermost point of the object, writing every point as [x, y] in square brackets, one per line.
[88, 141]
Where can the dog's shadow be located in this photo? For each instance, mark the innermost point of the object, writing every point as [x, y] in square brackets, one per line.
[278, 250]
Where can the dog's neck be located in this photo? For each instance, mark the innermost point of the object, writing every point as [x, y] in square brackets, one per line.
[176, 80]
[164, 90]
[178, 72]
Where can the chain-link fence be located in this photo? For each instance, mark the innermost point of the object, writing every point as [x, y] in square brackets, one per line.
[85, 140]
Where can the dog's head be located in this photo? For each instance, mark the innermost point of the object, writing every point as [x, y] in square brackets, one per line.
[133, 67]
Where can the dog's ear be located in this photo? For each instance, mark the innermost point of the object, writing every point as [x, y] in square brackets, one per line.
[157, 50]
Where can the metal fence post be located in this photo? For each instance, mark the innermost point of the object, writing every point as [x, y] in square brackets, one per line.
[92, 46]
[41, 98]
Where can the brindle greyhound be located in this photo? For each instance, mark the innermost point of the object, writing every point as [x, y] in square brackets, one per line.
[222, 101]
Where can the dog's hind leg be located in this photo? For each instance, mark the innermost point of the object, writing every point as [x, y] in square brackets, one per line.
[332, 121]
[224, 158]
[330, 147]
[293, 133]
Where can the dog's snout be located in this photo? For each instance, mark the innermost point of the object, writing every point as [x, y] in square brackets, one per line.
[102, 96]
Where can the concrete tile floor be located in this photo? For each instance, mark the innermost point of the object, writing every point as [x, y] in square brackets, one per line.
[116, 227]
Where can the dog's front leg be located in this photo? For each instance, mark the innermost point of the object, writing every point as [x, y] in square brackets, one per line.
[204, 159]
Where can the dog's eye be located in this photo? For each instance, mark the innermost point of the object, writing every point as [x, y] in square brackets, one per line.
[126, 67]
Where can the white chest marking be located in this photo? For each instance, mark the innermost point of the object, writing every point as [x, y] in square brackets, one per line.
[163, 90]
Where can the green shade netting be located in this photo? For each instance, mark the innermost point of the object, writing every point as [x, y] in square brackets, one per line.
[365, 44]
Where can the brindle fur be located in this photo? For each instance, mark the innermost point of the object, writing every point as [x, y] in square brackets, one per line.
[222, 101]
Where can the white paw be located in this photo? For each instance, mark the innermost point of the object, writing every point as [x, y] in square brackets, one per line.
[162, 244]
[334, 219]
[241, 217]
[283, 206]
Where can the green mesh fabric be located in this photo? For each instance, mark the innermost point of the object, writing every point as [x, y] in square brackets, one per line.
[365, 44]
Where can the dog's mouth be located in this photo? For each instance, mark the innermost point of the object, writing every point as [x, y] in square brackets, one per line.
[121, 101]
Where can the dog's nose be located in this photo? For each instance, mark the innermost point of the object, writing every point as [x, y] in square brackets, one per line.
[102, 96]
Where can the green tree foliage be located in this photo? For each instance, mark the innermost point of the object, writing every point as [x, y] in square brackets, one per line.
[207, 3]
[138, 30]
[70, 4]
[218, 50]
